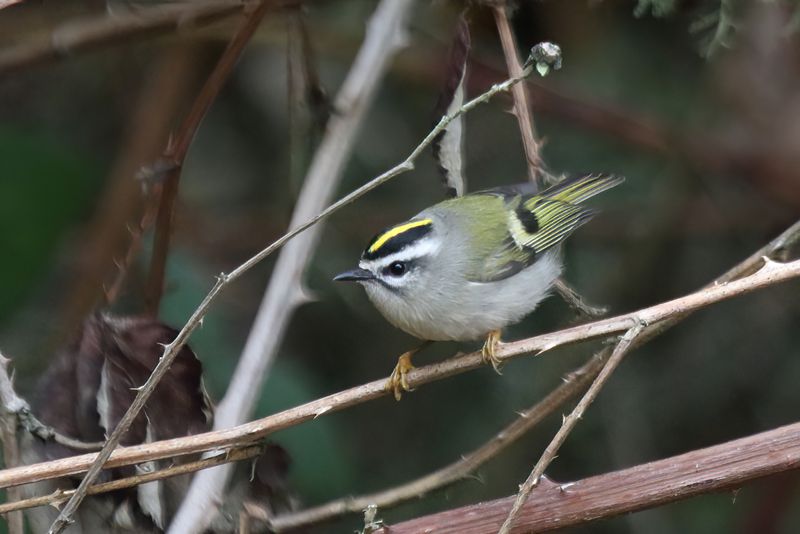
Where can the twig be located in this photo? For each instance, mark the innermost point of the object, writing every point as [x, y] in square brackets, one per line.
[112, 292]
[171, 350]
[568, 424]
[575, 301]
[385, 36]
[177, 149]
[776, 249]
[574, 382]
[771, 274]
[555, 506]
[59, 496]
[82, 35]
[13, 404]
[522, 107]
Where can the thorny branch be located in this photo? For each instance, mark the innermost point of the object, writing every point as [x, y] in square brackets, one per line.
[557, 506]
[171, 350]
[573, 384]
[90, 33]
[59, 496]
[522, 106]
[771, 274]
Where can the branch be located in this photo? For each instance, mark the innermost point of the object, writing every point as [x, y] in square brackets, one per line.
[573, 383]
[568, 424]
[556, 506]
[385, 35]
[522, 107]
[59, 496]
[172, 349]
[90, 33]
[771, 274]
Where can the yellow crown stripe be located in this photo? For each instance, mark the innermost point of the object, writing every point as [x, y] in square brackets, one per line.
[397, 230]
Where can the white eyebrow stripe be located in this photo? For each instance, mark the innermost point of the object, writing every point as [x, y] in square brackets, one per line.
[423, 247]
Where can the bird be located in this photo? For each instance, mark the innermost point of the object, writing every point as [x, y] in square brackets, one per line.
[467, 267]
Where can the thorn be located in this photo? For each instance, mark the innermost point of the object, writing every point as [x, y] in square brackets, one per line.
[564, 488]
[768, 262]
[322, 411]
[549, 346]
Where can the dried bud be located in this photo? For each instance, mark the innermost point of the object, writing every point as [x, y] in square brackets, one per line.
[545, 56]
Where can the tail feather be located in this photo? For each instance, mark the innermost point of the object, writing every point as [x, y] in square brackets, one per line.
[576, 190]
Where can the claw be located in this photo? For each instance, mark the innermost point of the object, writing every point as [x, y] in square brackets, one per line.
[489, 348]
[398, 382]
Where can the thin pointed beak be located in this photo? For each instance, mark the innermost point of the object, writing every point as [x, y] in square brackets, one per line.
[356, 275]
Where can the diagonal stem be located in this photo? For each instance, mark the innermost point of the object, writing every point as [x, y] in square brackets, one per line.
[622, 348]
[522, 106]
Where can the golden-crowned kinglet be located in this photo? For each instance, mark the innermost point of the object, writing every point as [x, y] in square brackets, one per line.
[465, 268]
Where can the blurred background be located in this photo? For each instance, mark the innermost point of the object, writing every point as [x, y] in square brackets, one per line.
[695, 102]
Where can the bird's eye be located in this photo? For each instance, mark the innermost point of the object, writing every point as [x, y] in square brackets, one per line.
[396, 268]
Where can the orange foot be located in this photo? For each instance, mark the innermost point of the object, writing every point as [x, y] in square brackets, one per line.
[397, 380]
[489, 349]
